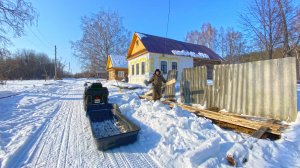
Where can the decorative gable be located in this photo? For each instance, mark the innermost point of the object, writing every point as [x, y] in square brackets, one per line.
[136, 47]
[109, 63]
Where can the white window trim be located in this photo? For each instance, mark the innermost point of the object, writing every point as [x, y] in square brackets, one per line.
[121, 74]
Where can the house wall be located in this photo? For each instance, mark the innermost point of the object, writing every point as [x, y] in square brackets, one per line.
[152, 62]
[113, 73]
[138, 79]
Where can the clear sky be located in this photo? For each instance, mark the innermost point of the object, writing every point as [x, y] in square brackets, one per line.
[59, 20]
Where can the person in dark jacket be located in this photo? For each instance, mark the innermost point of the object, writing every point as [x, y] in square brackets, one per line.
[157, 79]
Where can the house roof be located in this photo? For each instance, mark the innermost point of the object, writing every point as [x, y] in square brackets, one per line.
[118, 61]
[163, 45]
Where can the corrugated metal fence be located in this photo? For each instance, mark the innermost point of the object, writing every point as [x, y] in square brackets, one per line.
[263, 88]
[193, 85]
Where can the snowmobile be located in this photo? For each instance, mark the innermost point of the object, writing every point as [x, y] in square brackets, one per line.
[94, 93]
[109, 127]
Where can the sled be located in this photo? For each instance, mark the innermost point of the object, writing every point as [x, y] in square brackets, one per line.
[109, 127]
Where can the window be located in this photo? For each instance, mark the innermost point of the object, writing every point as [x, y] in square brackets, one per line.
[137, 68]
[121, 74]
[132, 69]
[143, 68]
[164, 67]
[174, 65]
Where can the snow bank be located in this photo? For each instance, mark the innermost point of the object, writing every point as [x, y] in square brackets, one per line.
[190, 53]
[206, 150]
[168, 137]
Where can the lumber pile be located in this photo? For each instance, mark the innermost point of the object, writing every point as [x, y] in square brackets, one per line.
[245, 124]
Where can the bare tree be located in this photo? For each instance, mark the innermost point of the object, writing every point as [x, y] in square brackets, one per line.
[269, 22]
[262, 21]
[207, 36]
[14, 15]
[222, 42]
[235, 45]
[103, 34]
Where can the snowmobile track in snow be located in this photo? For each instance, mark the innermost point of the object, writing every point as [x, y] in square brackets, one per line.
[65, 139]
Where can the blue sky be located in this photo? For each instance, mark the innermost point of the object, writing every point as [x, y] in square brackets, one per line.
[59, 21]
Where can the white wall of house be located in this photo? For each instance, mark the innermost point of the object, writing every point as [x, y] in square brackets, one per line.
[152, 62]
[182, 62]
[134, 78]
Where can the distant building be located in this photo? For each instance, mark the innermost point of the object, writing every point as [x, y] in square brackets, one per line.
[117, 67]
[147, 53]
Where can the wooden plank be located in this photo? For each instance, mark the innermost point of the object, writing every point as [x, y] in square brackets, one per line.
[231, 121]
[170, 82]
[149, 92]
[254, 125]
[260, 132]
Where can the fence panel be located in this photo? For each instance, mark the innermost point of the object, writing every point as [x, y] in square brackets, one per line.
[263, 88]
[193, 85]
[170, 89]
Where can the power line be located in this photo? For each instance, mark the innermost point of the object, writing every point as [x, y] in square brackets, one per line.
[168, 24]
[46, 45]
[168, 18]
[44, 37]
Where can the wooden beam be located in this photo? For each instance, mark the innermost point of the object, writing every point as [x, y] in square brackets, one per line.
[170, 82]
[149, 92]
[235, 122]
[260, 132]
[167, 83]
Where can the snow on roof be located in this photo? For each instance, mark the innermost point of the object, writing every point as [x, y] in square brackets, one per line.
[156, 44]
[119, 61]
[140, 35]
[190, 53]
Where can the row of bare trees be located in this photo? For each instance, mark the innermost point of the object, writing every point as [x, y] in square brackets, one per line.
[268, 25]
[228, 42]
[27, 64]
[272, 24]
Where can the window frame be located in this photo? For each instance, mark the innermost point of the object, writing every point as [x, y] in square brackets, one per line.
[176, 65]
[137, 67]
[162, 66]
[132, 69]
[143, 67]
[121, 74]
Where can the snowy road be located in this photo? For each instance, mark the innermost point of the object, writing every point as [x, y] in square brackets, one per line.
[63, 137]
[43, 124]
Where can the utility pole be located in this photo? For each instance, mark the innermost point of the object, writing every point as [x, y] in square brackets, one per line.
[69, 67]
[55, 68]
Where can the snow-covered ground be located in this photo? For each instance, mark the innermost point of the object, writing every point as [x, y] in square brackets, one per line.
[43, 124]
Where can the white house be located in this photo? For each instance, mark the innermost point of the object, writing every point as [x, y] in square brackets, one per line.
[147, 53]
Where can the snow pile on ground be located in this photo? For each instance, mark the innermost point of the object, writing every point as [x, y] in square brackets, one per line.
[45, 126]
[123, 84]
[190, 53]
[177, 138]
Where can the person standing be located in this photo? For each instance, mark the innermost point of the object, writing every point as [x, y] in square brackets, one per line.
[157, 79]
